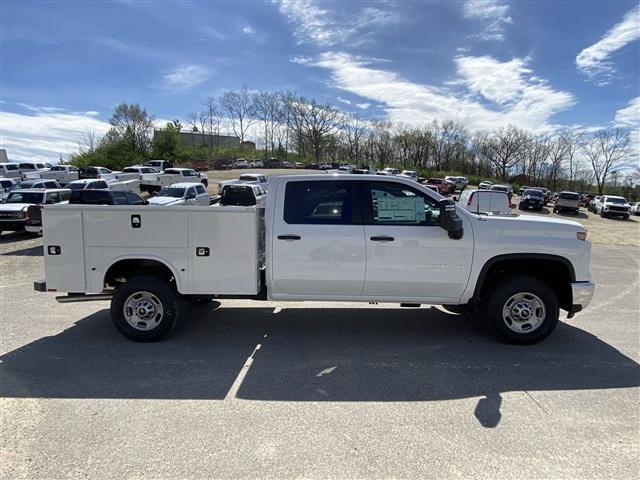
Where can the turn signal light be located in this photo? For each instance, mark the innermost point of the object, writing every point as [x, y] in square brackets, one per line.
[581, 235]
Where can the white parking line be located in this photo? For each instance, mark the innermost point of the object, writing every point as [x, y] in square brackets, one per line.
[237, 383]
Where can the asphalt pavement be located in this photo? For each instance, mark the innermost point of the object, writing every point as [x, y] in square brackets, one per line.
[274, 390]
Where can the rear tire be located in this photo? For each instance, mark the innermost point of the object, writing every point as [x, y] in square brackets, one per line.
[521, 310]
[145, 309]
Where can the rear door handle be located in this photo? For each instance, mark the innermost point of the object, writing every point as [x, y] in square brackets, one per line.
[289, 237]
[382, 239]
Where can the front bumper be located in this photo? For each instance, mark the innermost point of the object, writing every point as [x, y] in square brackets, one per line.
[582, 293]
[12, 225]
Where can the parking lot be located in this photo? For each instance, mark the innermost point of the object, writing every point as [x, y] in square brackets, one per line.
[255, 389]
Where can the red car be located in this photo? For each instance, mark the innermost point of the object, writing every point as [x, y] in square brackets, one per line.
[440, 184]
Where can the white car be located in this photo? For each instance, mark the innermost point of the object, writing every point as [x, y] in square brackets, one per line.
[88, 184]
[241, 163]
[458, 183]
[485, 201]
[38, 183]
[259, 178]
[312, 242]
[10, 170]
[26, 167]
[635, 208]
[486, 185]
[410, 174]
[14, 211]
[186, 193]
[613, 206]
[188, 175]
[6, 186]
[389, 171]
[325, 166]
[63, 174]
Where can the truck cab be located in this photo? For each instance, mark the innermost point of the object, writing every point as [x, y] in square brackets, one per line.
[188, 175]
[181, 194]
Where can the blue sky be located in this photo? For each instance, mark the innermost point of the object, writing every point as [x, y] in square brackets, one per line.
[539, 65]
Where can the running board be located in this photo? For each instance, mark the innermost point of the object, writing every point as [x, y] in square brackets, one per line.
[83, 297]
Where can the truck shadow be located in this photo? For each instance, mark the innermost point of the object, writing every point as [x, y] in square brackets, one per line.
[37, 251]
[335, 355]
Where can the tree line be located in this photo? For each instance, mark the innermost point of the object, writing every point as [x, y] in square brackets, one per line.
[291, 127]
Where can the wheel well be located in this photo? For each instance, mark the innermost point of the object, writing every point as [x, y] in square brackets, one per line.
[555, 272]
[124, 270]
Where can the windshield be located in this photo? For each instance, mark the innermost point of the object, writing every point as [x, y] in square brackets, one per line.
[434, 180]
[500, 188]
[24, 197]
[569, 196]
[248, 178]
[531, 193]
[75, 186]
[616, 200]
[11, 166]
[6, 184]
[174, 192]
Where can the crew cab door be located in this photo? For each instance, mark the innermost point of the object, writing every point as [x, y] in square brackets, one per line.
[317, 241]
[408, 254]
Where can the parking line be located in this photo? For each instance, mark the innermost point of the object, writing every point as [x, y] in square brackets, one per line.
[237, 383]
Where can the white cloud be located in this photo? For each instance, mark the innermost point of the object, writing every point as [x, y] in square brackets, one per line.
[629, 117]
[529, 104]
[344, 100]
[248, 30]
[494, 12]
[185, 76]
[324, 28]
[363, 106]
[593, 60]
[45, 136]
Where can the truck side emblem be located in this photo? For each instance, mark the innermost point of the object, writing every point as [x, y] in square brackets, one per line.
[136, 222]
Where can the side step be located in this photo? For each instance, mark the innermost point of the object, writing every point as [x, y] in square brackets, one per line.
[83, 297]
[410, 305]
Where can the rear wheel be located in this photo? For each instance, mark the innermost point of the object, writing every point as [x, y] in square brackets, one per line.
[145, 309]
[603, 214]
[521, 310]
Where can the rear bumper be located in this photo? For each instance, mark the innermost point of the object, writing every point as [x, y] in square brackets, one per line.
[33, 228]
[582, 293]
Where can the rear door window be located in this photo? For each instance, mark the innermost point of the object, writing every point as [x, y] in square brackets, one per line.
[322, 202]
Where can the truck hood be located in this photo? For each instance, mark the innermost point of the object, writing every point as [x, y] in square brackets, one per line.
[13, 207]
[535, 222]
[165, 201]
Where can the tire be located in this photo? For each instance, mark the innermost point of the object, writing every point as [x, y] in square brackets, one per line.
[520, 207]
[156, 297]
[512, 296]
[603, 214]
[625, 217]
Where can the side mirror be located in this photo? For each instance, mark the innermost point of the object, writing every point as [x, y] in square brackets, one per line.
[449, 219]
[190, 196]
[455, 199]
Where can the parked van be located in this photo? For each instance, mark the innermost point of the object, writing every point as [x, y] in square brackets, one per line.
[485, 201]
[10, 170]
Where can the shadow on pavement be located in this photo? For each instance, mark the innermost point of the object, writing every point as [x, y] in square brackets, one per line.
[37, 251]
[337, 355]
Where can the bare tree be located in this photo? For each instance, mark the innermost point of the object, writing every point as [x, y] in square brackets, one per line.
[606, 150]
[133, 124]
[240, 107]
[503, 149]
[572, 141]
[192, 122]
[354, 131]
[267, 107]
[214, 119]
[89, 140]
[319, 122]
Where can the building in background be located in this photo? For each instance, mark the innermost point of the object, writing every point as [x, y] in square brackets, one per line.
[202, 139]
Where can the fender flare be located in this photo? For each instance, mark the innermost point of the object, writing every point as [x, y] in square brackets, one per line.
[155, 258]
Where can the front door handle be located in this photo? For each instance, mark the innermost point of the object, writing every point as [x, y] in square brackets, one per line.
[289, 237]
[382, 239]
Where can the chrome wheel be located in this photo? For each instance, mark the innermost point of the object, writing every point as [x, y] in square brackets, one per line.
[523, 312]
[143, 311]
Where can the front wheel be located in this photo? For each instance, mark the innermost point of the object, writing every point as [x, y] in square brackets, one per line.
[521, 310]
[145, 309]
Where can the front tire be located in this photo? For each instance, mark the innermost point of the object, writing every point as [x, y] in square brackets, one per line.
[521, 310]
[145, 309]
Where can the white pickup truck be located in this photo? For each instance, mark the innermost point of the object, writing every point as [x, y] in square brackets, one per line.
[259, 178]
[319, 237]
[63, 174]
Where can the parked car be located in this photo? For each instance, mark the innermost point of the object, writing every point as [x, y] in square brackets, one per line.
[635, 208]
[456, 183]
[38, 183]
[613, 206]
[188, 175]
[245, 195]
[546, 195]
[105, 197]
[484, 201]
[389, 171]
[519, 270]
[585, 199]
[259, 178]
[88, 184]
[503, 188]
[592, 203]
[273, 163]
[14, 212]
[241, 163]
[522, 189]
[410, 174]
[97, 172]
[10, 170]
[185, 193]
[531, 198]
[6, 186]
[26, 167]
[567, 201]
[162, 165]
[443, 188]
[486, 185]
[63, 174]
